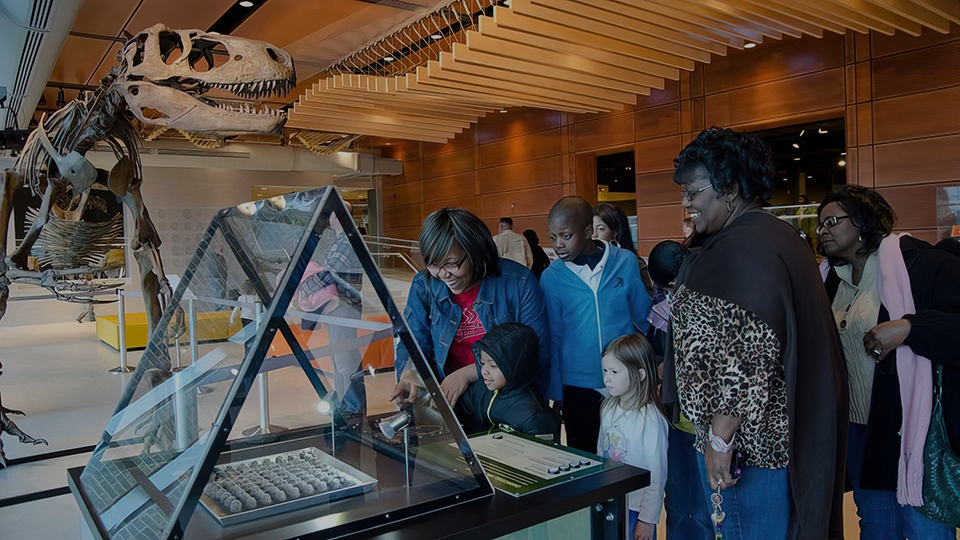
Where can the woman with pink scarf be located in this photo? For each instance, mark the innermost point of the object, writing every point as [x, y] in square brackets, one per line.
[896, 300]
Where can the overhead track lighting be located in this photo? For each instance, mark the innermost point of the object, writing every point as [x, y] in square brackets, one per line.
[749, 45]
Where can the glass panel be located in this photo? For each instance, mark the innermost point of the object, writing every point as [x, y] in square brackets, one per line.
[226, 390]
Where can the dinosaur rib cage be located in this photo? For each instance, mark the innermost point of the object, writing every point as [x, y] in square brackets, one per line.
[75, 244]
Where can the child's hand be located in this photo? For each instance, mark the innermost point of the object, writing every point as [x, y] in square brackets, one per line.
[644, 531]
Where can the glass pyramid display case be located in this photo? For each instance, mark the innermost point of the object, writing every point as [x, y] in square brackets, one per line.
[288, 426]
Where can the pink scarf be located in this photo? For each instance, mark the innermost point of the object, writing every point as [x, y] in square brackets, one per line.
[914, 371]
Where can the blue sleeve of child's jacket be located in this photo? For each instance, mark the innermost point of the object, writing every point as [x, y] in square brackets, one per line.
[640, 303]
[555, 321]
[417, 314]
[533, 313]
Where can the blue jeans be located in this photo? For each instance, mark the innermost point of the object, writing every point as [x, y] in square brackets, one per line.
[881, 516]
[756, 508]
[687, 515]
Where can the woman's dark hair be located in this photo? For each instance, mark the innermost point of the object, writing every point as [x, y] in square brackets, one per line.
[532, 238]
[665, 260]
[614, 217]
[451, 224]
[869, 212]
[736, 162]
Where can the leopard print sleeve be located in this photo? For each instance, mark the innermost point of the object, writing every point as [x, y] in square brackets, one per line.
[729, 362]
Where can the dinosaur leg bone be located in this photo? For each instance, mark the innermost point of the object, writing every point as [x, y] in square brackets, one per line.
[50, 194]
[11, 181]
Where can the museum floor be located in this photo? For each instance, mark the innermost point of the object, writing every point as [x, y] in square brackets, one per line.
[56, 371]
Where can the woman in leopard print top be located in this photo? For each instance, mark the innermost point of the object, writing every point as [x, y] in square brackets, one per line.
[758, 363]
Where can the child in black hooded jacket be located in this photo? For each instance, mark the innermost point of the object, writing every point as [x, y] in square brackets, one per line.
[506, 394]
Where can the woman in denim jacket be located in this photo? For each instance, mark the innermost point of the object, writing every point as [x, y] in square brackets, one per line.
[465, 290]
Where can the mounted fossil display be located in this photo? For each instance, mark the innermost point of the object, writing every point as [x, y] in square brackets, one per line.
[160, 81]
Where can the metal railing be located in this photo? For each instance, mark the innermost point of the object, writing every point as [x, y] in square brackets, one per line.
[395, 255]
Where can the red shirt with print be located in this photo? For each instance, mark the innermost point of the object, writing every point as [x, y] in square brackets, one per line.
[469, 331]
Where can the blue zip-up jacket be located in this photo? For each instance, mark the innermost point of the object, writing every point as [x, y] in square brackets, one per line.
[433, 317]
[578, 329]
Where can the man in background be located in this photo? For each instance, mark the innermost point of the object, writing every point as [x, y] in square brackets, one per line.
[511, 245]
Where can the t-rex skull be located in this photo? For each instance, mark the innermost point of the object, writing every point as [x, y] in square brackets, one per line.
[163, 75]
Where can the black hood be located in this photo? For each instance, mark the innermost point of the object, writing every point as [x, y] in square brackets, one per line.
[516, 350]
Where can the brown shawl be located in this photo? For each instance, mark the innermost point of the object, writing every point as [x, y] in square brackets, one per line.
[761, 264]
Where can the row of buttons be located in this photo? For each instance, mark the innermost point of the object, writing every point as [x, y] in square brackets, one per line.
[572, 465]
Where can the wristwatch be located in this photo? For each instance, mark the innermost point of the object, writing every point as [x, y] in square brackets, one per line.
[718, 444]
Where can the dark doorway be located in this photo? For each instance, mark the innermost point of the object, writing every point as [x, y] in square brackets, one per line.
[810, 160]
[617, 181]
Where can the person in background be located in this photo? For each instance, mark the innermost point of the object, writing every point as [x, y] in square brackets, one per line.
[757, 365]
[687, 516]
[593, 295]
[508, 359]
[610, 224]
[633, 426]
[688, 230]
[540, 259]
[465, 290]
[869, 272]
[511, 245]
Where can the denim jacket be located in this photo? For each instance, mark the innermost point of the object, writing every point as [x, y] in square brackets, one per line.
[512, 296]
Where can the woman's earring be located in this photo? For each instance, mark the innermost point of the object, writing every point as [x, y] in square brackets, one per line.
[860, 238]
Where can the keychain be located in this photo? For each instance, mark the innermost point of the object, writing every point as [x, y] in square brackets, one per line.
[718, 515]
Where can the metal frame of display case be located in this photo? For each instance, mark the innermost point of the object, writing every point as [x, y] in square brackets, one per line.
[330, 204]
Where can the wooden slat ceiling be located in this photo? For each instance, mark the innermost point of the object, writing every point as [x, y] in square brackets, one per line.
[575, 56]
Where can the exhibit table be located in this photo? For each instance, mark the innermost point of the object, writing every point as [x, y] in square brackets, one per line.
[594, 503]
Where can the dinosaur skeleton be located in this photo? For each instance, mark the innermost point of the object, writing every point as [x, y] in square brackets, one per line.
[160, 80]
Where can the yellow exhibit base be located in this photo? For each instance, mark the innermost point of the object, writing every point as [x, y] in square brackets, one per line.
[211, 326]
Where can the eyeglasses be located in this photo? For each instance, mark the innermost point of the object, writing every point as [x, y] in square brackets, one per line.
[830, 223]
[450, 268]
[690, 195]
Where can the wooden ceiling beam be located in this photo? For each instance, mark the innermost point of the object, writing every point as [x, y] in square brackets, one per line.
[858, 22]
[743, 27]
[948, 9]
[362, 126]
[433, 72]
[373, 131]
[640, 12]
[884, 16]
[414, 102]
[781, 22]
[345, 112]
[509, 93]
[488, 27]
[671, 63]
[449, 64]
[465, 58]
[479, 42]
[630, 36]
[588, 11]
[802, 17]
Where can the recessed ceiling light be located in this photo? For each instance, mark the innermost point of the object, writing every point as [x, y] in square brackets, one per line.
[749, 45]
[388, 144]
[802, 131]
[436, 36]
[245, 3]
[503, 110]
[796, 159]
[843, 153]
[388, 59]
[822, 131]
[795, 145]
[842, 163]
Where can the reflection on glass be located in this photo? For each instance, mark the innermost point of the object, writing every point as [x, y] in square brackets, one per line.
[285, 334]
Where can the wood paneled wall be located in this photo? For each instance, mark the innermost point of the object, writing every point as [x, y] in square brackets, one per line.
[900, 96]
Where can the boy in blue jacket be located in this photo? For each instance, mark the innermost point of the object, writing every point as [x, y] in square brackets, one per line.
[593, 295]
